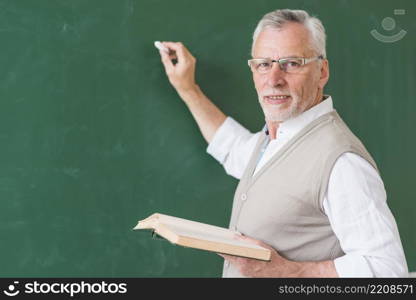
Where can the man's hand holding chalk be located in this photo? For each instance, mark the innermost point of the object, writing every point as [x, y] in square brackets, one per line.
[161, 47]
[182, 74]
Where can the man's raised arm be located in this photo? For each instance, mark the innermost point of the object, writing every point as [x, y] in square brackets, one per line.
[182, 77]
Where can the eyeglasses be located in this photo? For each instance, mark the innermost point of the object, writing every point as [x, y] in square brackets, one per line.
[288, 65]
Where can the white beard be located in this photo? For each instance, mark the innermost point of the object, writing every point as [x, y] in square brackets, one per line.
[274, 114]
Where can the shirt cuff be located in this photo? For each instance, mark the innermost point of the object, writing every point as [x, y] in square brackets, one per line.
[224, 138]
[352, 265]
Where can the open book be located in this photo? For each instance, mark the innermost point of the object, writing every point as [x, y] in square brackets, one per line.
[202, 236]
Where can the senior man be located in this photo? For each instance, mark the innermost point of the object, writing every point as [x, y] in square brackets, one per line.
[308, 189]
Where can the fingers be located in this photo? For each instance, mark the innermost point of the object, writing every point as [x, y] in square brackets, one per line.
[176, 51]
[175, 47]
[179, 51]
[167, 62]
[181, 73]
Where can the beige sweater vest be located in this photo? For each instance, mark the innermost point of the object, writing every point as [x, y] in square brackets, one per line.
[282, 205]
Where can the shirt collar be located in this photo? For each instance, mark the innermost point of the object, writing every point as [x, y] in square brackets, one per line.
[292, 126]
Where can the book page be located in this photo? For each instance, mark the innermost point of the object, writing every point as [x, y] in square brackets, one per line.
[198, 226]
[210, 233]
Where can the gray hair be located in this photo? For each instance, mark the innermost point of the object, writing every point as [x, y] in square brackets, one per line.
[278, 18]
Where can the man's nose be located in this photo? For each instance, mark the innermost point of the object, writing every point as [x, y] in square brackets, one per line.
[276, 77]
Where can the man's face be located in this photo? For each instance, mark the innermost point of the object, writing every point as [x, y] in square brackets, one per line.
[301, 90]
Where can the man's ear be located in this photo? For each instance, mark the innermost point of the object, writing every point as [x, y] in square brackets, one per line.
[324, 73]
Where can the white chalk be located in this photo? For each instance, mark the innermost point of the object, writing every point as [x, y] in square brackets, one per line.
[161, 47]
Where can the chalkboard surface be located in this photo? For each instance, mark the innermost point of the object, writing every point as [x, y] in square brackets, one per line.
[94, 138]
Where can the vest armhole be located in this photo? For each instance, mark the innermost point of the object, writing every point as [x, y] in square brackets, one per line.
[329, 165]
[326, 173]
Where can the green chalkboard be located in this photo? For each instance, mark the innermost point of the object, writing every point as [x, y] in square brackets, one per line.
[94, 138]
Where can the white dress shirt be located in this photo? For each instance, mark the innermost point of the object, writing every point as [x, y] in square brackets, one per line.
[355, 201]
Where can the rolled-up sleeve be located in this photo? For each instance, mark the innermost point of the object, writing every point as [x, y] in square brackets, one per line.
[356, 205]
[232, 146]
